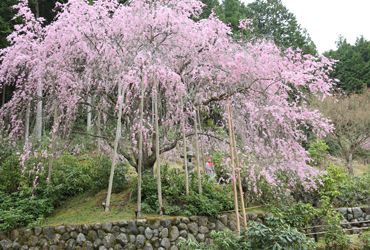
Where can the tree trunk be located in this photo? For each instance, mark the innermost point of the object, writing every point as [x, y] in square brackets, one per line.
[89, 114]
[140, 161]
[37, 9]
[197, 153]
[159, 183]
[118, 134]
[185, 157]
[350, 163]
[39, 110]
[233, 169]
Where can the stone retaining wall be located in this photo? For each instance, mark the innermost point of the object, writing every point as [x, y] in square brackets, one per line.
[151, 233]
[355, 214]
[147, 234]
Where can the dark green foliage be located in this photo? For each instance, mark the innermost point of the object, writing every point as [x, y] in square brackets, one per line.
[6, 22]
[297, 215]
[365, 239]
[214, 198]
[221, 170]
[276, 234]
[10, 174]
[335, 238]
[318, 149]
[353, 68]
[232, 13]
[273, 19]
[207, 10]
[23, 202]
[20, 210]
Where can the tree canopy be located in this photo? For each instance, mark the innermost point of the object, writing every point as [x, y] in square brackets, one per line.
[273, 19]
[105, 51]
[353, 66]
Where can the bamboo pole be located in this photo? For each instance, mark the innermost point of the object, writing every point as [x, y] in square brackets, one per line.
[53, 140]
[197, 152]
[89, 113]
[222, 212]
[233, 169]
[185, 156]
[201, 139]
[99, 132]
[140, 162]
[39, 110]
[238, 169]
[118, 134]
[159, 183]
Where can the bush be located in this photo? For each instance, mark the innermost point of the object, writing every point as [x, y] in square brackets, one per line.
[10, 174]
[317, 150]
[297, 215]
[17, 210]
[220, 170]
[214, 198]
[365, 239]
[275, 235]
[28, 198]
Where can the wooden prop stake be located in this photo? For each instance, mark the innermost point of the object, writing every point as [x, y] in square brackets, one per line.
[118, 134]
[201, 139]
[138, 214]
[159, 183]
[197, 152]
[233, 168]
[184, 139]
[238, 169]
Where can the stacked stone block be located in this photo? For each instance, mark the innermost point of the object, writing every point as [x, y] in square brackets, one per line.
[146, 234]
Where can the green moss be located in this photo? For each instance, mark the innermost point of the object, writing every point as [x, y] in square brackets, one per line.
[151, 220]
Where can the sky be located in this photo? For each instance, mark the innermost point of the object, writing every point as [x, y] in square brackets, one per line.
[325, 20]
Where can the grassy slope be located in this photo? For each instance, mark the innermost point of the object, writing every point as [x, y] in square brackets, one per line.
[87, 207]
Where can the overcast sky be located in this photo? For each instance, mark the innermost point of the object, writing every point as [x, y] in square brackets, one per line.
[325, 20]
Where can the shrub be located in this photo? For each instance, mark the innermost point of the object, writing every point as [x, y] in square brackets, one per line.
[28, 198]
[275, 235]
[365, 240]
[214, 198]
[296, 215]
[318, 149]
[10, 174]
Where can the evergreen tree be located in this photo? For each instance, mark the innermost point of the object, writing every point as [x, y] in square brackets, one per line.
[273, 19]
[353, 67]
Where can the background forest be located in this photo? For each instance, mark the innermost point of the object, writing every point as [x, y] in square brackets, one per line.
[76, 119]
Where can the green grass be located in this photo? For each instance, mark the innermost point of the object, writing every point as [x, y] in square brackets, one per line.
[87, 208]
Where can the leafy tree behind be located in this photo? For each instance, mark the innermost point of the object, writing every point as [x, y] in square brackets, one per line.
[353, 67]
[272, 18]
[6, 22]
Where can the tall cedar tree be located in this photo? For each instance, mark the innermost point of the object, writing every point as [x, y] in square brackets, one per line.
[353, 68]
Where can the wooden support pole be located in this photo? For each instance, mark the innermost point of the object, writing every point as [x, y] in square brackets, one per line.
[118, 135]
[185, 156]
[233, 168]
[159, 183]
[238, 169]
[140, 162]
[197, 153]
[201, 140]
